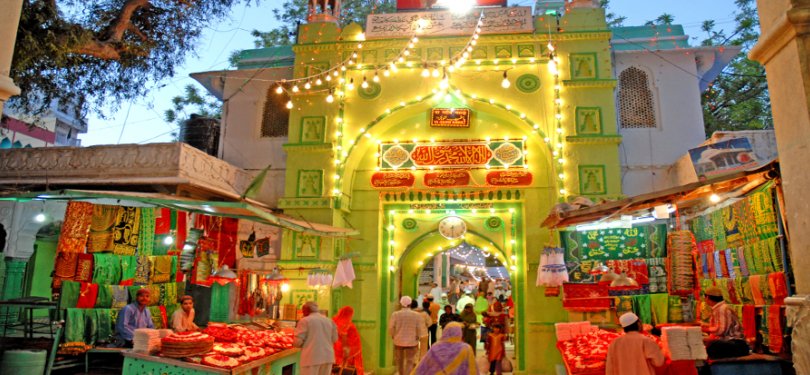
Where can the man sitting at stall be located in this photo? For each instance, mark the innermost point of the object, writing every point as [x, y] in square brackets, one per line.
[633, 353]
[183, 318]
[725, 331]
[134, 316]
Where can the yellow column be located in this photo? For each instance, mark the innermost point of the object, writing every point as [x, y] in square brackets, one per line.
[784, 49]
[9, 21]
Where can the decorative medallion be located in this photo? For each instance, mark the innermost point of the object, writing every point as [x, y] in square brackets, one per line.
[494, 223]
[528, 83]
[508, 153]
[372, 91]
[409, 224]
[396, 156]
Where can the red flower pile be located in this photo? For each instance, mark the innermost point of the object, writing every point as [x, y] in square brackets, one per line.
[586, 354]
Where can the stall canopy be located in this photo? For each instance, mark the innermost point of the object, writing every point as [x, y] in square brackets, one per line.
[688, 197]
[246, 210]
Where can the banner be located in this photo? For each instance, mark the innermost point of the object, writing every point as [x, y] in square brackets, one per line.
[647, 241]
[450, 118]
[447, 179]
[392, 179]
[509, 178]
[509, 20]
[424, 4]
[470, 154]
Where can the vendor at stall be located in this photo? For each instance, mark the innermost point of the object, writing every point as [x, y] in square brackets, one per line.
[725, 331]
[633, 353]
[133, 316]
[183, 318]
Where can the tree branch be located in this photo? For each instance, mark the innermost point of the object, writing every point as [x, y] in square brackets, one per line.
[110, 47]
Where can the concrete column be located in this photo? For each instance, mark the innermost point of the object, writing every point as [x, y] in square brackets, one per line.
[9, 21]
[784, 49]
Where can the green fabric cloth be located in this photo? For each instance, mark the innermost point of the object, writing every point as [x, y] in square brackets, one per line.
[157, 316]
[675, 309]
[120, 296]
[146, 238]
[104, 325]
[69, 296]
[775, 249]
[75, 325]
[128, 264]
[106, 269]
[220, 303]
[104, 298]
[143, 270]
[642, 307]
[624, 304]
[481, 305]
[91, 326]
[719, 229]
[659, 307]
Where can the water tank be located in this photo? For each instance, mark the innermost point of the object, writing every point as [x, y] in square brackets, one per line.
[201, 133]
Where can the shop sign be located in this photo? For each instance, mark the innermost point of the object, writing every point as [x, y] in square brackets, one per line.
[447, 179]
[450, 118]
[421, 4]
[645, 241]
[472, 154]
[445, 23]
[723, 158]
[509, 178]
[392, 179]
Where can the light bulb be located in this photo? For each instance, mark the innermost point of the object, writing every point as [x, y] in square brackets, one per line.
[40, 217]
[714, 198]
[289, 104]
[285, 288]
[444, 84]
[386, 72]
[318, 82]
[350, 86]
[328, 78]
[505, 83]
[552, 67]
[307, 85]
[425, 72]
[330, 98]
[168, 240]
[295, 88]
[365, 83]
[376, 77]
[279, 89]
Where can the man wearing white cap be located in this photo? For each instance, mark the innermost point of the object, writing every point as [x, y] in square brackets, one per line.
[633, 353]
[315, 334]
[406, 327]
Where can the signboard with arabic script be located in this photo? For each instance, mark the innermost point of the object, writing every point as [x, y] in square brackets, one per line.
[509, 178]
[443, 23]
[470, 154]
[421, 4]
[447, 179]
[392, 179]
[643, 241]
[450, 118]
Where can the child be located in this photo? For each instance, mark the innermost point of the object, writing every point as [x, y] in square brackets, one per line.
[495, 348]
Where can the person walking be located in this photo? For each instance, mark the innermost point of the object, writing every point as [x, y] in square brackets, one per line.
[496, 349]
[470, 321]
[348, 348]
[424, 311]
[436, 292]
[463, 301]
[450, 355]
[633, 353]
[448, 316]
[433, 310]
[406, 328]
[316, 335]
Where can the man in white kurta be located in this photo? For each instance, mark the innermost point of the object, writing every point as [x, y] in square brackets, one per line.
[316, 335]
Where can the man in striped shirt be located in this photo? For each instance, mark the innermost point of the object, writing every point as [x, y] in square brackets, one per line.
[724, 329]
[407, 328]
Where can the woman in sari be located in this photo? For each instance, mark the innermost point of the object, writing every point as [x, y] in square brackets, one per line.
[470, 320]
[348, 348]
[450, 355]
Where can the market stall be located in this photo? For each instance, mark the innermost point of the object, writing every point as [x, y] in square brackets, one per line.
[656, 255]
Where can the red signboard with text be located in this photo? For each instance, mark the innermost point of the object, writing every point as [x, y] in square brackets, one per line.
[447, 179]
[424, 4]
[473, 154]
[509, 178]
[392, 179]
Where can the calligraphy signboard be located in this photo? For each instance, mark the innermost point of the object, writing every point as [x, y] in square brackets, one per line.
[471, 154]
[444, 23]
[646, 241]
[447, 179]
[509, 178]
[450, 118]
[392, 179]
[422, 4]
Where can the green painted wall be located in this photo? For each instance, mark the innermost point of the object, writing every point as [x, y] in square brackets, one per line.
[328, 180]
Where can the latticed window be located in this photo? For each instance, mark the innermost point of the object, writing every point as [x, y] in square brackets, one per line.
[276, 116]
[635, 100]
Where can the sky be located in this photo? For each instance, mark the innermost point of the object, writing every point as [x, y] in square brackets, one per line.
[142, 121]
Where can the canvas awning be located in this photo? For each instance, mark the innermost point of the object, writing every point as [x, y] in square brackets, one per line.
[692, 196]
[245, 210]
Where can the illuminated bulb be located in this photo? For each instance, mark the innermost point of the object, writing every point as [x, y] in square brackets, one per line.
[289, 104]
[415, 40]
[386, 72]
[40, 218]
[354, 55]
[307, 85]
[401, 59]
[488, 139]
[513, 267]
[295, 88]
[376, 77]
[391, 257]
[445, 83]
[285, 288]
[451, 68]
[547, 139]
[330, 98]
[328, 78]
[714, 198]
[360, 45]
[552, 67]
[392, 268]
[561, 176]
[558, 116]
[279, 89]
[318, 82]
[435, 73]
[550, 46]
[336, 191]
[342, 68]
[410, 45]
[472, 43]
[425, 72]
[421, 263]
[350, 86]
[562, 191]
[168, 240]
[365, 83]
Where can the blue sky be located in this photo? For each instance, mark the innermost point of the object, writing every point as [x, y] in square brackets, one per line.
[142, 121]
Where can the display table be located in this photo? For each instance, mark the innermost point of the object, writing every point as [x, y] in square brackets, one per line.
[28, 305]
[285, 362]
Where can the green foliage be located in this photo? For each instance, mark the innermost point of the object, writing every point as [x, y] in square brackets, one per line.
[90, 53]
[738, 98]
[612, 19]
[193, 102]
[294, 12]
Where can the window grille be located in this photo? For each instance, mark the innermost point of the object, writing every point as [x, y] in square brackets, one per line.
[276, 116]
[636, 108]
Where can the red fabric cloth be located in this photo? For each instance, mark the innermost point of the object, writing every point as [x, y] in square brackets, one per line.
[164, 316]
[775, 328]
[778, 286]
[348, 335]
[684, 367]
[76, 227]
[222, 230]
[749, 322]
[245, 305]
[585, 297]
[635, 269]
[88, 293]
[84, 268]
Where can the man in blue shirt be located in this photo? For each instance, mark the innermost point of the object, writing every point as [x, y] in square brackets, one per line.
[134, 316]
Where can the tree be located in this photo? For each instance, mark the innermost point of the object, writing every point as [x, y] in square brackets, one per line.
[612, 19]
[294, 13]
[98, 53]
[738, 98]
[193, 103]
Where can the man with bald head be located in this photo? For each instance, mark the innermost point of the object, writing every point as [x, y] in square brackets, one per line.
[315, 334]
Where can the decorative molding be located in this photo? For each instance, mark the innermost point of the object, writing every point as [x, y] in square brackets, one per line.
[365, 324]
[788, 26]
[149, 164]
[312, 147]
[365, 267]
[321, 202]
[798, 317]
[594, 139]
[590, 83]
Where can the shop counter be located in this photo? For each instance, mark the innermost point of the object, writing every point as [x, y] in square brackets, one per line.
[282, 363]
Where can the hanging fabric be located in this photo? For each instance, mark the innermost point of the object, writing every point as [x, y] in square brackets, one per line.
[344, 274]
[73, 237]
[146, 234]
[84, 268]
[126, 230]
[552, 271]
[101, 228]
